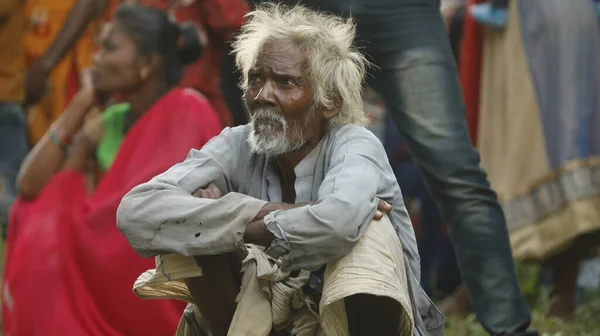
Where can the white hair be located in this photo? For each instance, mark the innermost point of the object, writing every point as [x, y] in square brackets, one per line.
[336, 69]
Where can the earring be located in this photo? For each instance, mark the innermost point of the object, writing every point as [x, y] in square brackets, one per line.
[144, 74]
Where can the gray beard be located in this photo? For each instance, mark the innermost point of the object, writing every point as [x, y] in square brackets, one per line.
[270, 134]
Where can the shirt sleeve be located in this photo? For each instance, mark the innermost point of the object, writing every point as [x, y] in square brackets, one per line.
[311, 236]
[161, 216]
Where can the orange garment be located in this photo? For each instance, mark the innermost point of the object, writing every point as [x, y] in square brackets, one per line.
[12, 61]
[45, 19]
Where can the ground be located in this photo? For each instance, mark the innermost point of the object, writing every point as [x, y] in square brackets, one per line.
[587, 321]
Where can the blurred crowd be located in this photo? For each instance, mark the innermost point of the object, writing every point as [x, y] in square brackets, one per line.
[98, 96]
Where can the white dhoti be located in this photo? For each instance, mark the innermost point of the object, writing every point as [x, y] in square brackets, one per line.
[270, 298]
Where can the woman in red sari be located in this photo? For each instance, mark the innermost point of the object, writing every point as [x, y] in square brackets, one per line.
[68, 269]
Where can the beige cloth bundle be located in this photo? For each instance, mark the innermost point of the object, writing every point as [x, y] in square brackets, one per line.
[270, 297]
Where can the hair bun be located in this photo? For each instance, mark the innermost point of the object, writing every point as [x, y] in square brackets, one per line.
[189, 46]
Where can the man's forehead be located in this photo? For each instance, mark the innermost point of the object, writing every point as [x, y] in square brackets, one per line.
[282, 55]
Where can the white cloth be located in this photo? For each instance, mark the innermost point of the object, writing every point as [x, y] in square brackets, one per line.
[270, 297]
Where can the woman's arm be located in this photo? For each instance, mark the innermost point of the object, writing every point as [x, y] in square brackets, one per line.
[48, 156]
[79, 153]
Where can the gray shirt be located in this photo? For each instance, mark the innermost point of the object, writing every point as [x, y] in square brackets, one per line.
[346, 174]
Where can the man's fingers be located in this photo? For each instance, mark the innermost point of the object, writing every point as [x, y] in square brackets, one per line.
[214, 191]
[384, 206]
[210, 191]
[200, 193]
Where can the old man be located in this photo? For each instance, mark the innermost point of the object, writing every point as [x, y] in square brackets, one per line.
[303, 180]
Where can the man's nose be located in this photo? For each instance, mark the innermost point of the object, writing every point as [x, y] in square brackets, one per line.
[265, 95]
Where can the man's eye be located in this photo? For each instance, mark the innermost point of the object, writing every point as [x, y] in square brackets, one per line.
[253, 78]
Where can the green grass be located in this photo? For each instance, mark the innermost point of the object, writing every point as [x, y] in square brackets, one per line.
[587, 317]
[587, 323]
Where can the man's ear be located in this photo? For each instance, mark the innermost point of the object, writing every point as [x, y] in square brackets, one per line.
[331, 112]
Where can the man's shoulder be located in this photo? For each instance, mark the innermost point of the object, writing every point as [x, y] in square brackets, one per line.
[355, 139]
[236, 136]
[231, 142]
[353, 133]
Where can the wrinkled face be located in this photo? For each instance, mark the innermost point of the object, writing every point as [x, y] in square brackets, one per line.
[279, 97]
[117, 66]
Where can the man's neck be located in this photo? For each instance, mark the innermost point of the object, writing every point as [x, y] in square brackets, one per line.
[287, 179]
[288, 161]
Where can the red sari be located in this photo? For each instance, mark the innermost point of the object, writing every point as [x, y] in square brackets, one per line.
[69, 271]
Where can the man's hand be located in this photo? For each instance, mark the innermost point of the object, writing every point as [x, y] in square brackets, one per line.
[257, 232]
[382, 207]
[210, 191]
[270, 207]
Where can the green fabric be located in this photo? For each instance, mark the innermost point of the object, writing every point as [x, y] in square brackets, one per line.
[113, 119]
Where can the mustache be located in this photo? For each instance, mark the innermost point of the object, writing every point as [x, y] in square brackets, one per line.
[268, 115]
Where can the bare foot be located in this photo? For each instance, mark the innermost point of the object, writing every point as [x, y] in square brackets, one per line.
[458, 306]
[565, 315]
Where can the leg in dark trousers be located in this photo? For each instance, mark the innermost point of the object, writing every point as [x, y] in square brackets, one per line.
[421, 90]
[13, 148]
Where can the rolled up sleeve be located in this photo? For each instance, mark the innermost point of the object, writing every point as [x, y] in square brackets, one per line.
[313, 235]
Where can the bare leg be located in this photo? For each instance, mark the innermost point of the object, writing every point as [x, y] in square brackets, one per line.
[372, 315]
[565, 268]
[216, 290]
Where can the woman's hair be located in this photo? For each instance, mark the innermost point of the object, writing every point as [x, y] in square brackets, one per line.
[154, 32]
[335, 67]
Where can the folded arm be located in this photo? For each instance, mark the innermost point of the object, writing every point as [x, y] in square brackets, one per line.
[313, 235]
[162, 216]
